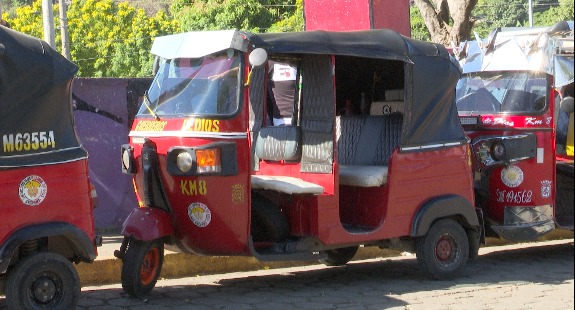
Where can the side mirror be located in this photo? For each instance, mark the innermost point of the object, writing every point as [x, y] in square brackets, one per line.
[567, 104]
[258, 57]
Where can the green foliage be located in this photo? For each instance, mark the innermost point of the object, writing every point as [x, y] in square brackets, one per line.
[251, 15]
[290, 23]
[554, 14]
[27, 19]
[418, 28]
[492, 14]
[113, 39]
[107, 39]
[10, 5]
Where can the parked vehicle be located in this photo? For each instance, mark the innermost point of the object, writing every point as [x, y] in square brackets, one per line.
[214, 178]
[45, 194]
[515, 100]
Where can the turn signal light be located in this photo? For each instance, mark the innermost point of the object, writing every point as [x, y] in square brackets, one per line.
[208, 161]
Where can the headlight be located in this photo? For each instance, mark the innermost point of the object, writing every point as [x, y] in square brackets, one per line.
[498, 151]
[128, 162]
[126, 159]
[184, 161]
[504, 150]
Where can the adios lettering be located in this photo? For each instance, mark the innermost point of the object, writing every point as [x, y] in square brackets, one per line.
[200, 124]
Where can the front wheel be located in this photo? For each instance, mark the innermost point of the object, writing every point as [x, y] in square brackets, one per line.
[444, 250]
[339, 257]
[43, 280]
[141, 267]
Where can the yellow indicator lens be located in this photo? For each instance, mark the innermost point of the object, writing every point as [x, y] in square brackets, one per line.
[208, 160]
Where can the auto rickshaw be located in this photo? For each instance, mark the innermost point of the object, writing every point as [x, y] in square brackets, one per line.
[213, 176]
[515, 100]
[45, 194]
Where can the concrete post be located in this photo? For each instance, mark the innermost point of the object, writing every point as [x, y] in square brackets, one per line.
[48, 21]
[64, 30]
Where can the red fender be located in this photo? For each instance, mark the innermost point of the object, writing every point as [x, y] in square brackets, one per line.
[148, 224]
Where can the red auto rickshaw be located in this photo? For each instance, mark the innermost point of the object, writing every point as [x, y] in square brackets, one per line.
[45, 194]
[515, 100]
[214, 177]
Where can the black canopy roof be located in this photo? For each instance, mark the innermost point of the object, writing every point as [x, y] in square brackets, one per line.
[430, 116]
[35, 97]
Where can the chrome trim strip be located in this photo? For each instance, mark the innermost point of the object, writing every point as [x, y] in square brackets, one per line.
[430, 146]
[44, 153]
[189, 134]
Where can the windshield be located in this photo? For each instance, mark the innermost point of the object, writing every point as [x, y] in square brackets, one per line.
[502, 92]
[195, 86]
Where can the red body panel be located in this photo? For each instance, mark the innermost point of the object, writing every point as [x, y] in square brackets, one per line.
[414, 178]
[534, 185]
[225, 199]
[537, 175]
[148, 224]
[64, 197]
[337, 15]
[392, 15]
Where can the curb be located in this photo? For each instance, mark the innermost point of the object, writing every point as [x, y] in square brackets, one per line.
[107, 269]
[177, 265]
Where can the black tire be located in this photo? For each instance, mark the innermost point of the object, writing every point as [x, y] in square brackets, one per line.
[43, 280]
[268, 222]
[474, 244]
[443, 251]
[339, 257]
[564, 199]
[141, 267]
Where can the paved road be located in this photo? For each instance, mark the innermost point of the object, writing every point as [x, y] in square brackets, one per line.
[525, 276]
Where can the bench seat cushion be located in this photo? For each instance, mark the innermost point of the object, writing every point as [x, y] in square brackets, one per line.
[363, 176]
[288, 185]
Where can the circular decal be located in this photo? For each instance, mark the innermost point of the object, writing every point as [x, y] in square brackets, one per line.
[199, 214]
[32, 190]
[512, 176]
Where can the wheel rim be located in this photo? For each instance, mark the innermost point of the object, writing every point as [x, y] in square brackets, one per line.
[150, 266]
[446, 249]
[45, 289]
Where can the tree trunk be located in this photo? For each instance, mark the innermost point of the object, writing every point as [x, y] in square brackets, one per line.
[448, 21]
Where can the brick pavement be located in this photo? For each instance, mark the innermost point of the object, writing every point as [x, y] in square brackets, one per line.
[519, 276]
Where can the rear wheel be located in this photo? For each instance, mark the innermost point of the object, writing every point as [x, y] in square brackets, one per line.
[444, 250]
[43, 281]
[268, 222]
[141, 267]
[339, 257]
